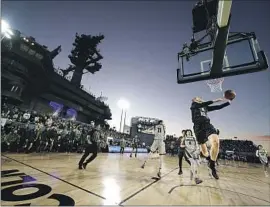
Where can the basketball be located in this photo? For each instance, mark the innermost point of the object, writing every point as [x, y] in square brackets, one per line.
[229, 94]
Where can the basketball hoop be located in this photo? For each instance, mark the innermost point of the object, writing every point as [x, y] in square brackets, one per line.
[215, 84]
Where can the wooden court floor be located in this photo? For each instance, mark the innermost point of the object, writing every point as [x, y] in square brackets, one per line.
[112, 179]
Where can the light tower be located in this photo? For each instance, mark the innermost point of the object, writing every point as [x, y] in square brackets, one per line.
[124, 106]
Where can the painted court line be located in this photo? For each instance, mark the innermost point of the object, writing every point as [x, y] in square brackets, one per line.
[145, 187]
[56, 178]
[216, 188]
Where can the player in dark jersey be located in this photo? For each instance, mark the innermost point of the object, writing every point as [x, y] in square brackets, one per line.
[91, 147]
[135, 142]
[204, 130]
[181, 153]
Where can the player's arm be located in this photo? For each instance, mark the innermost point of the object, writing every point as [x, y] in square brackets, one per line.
[206, 103]
[257, 153]
[151, 128]
[218, 107]
[182, 144]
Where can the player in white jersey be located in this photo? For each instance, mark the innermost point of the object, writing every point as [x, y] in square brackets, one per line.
[158, 145]
[192, 153]
[262, 154]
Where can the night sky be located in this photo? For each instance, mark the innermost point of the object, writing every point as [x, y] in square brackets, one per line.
[140, 49]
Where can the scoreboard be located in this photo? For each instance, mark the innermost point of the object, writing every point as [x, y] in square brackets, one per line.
[143, 128]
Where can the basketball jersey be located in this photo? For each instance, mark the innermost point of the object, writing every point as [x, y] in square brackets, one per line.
[262, 155]
[198, 113]
[191, 146]
[135, 141]
[159, 132]
[122, 143]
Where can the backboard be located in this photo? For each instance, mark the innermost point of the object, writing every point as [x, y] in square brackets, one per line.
[226, 53]
[243, 55]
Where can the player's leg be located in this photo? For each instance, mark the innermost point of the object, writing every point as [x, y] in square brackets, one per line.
[162, 151]
[180, 159]
[196, 171]
[204, 151]
[85, 155]
[136, 150]
[159, 166]
[188, 157]
[205, 132]
[153, 148]
[52, 145]
[132, 151]
[214, 139]
[205, 154]
[91, 158]
[265, 169]
[265, 165]
[217, 162]
[201, 137]
[94, 151]
[195, 162]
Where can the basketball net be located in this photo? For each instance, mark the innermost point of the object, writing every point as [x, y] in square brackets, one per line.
[215, 85]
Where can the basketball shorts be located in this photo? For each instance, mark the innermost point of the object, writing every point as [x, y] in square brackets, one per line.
[264, 160]
[134, 146]
[203, 130]
[193, 157]
[91, 148]
[159, 145]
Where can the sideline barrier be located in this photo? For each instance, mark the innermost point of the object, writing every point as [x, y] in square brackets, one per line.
[116, 149]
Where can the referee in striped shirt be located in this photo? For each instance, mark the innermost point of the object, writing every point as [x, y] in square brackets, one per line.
[91, 147]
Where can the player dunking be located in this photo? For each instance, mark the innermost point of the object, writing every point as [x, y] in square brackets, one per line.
[262, 154]
[192, 153]
[158, 145]
[135, 142]
[204, 130]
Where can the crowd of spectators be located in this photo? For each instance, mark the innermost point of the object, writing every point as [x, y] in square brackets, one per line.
[29, 131]
[231, 149]
[237, 146]
[239, 150]
[172, 144]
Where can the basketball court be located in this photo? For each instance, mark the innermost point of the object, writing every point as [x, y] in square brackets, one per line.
[112, 179]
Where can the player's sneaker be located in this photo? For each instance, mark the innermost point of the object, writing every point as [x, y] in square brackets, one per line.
[135, 155]
[198, 181]
[180, 172]
[211, 165]
[143, 165]
[84, 165]
[80, 167]
[210, 172]
[214, 173]
[130, 155]
[159, 175]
